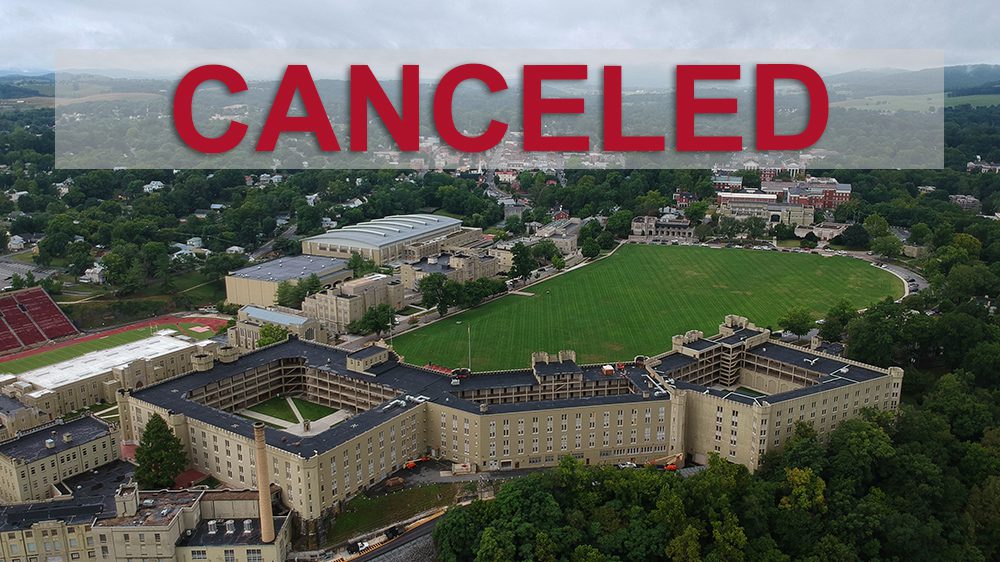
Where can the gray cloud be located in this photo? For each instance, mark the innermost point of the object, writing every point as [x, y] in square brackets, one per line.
[31, 31]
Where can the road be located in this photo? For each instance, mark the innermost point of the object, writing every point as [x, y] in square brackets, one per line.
[269, 245]
[407, 546]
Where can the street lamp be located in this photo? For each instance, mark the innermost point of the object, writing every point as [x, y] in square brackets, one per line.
[469, 329]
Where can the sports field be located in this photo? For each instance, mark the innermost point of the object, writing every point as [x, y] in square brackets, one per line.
[632, 302]
[43, 356]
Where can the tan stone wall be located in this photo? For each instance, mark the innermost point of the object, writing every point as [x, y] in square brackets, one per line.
[48, 539]
[23, 482]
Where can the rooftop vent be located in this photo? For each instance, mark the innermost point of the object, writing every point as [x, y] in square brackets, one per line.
[50, 443]
[213, 527]
[67, 437]
[230, 526]
[247, 526]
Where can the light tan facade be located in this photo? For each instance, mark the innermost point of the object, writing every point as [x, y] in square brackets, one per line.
[336, 308]
[32, 464]
[95, 377]
[52, 539]
[16, 416]
[656, 229]
[258, 284]
[457, 267]
[182, 525]
[689, 401]
[394, 238]
[250, 319]
[784, 213]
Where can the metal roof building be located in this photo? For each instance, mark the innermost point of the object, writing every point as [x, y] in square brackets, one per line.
[381, 239]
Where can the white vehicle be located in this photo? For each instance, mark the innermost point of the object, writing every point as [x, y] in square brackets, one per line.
[627, 465]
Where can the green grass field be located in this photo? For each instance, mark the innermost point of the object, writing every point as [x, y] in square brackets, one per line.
[276, 407]
[976, 100]
[311, 410]
[634, 301]
[921, 103]
[363, 513]
[57, 355]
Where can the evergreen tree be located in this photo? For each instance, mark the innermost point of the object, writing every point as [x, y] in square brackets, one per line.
[160, 456]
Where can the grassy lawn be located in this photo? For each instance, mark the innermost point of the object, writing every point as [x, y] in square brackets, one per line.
[749, 392]
[917, 102]
[975, 100]
[634, 301]
[276, 407]
[311, 410]
[57, 355]
[364, 514]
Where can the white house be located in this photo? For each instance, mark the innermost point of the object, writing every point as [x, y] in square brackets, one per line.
[195, 242]
[16, 243]
[236, 250]
[312, 199]
[94, 275]
[155, 185]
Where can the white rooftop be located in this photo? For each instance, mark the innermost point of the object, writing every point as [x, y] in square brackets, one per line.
[99, 362]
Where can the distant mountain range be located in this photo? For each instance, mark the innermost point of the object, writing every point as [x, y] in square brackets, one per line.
[958, 80]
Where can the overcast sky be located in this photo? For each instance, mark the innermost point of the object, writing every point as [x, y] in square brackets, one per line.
[31, 30]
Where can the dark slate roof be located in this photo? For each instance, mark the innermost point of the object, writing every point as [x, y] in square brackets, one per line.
[701, 344]
[201, 537]
[366, 352]
[739, 336]
[554, 368]
[93, 495]
[23, 516]
[409, 380]
[443, 263]
[673, 362]
[9, 405]
[291, 267]
[30, 447]
[807, 360]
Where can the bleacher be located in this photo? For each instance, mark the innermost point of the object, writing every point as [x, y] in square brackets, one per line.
[29, 317]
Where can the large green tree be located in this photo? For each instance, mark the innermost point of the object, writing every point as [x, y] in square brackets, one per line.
[160, 456]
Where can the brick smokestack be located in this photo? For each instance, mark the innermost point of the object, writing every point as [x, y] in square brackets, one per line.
[263, 485]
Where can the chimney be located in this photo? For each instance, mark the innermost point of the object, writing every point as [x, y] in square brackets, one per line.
[247, 526]
[213, 527]
[230, 526]
[263, 485]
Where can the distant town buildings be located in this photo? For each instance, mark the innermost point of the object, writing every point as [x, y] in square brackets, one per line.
[967, 203]
[983, 167]
[153, 186]
[661, 229]
[727, 183]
